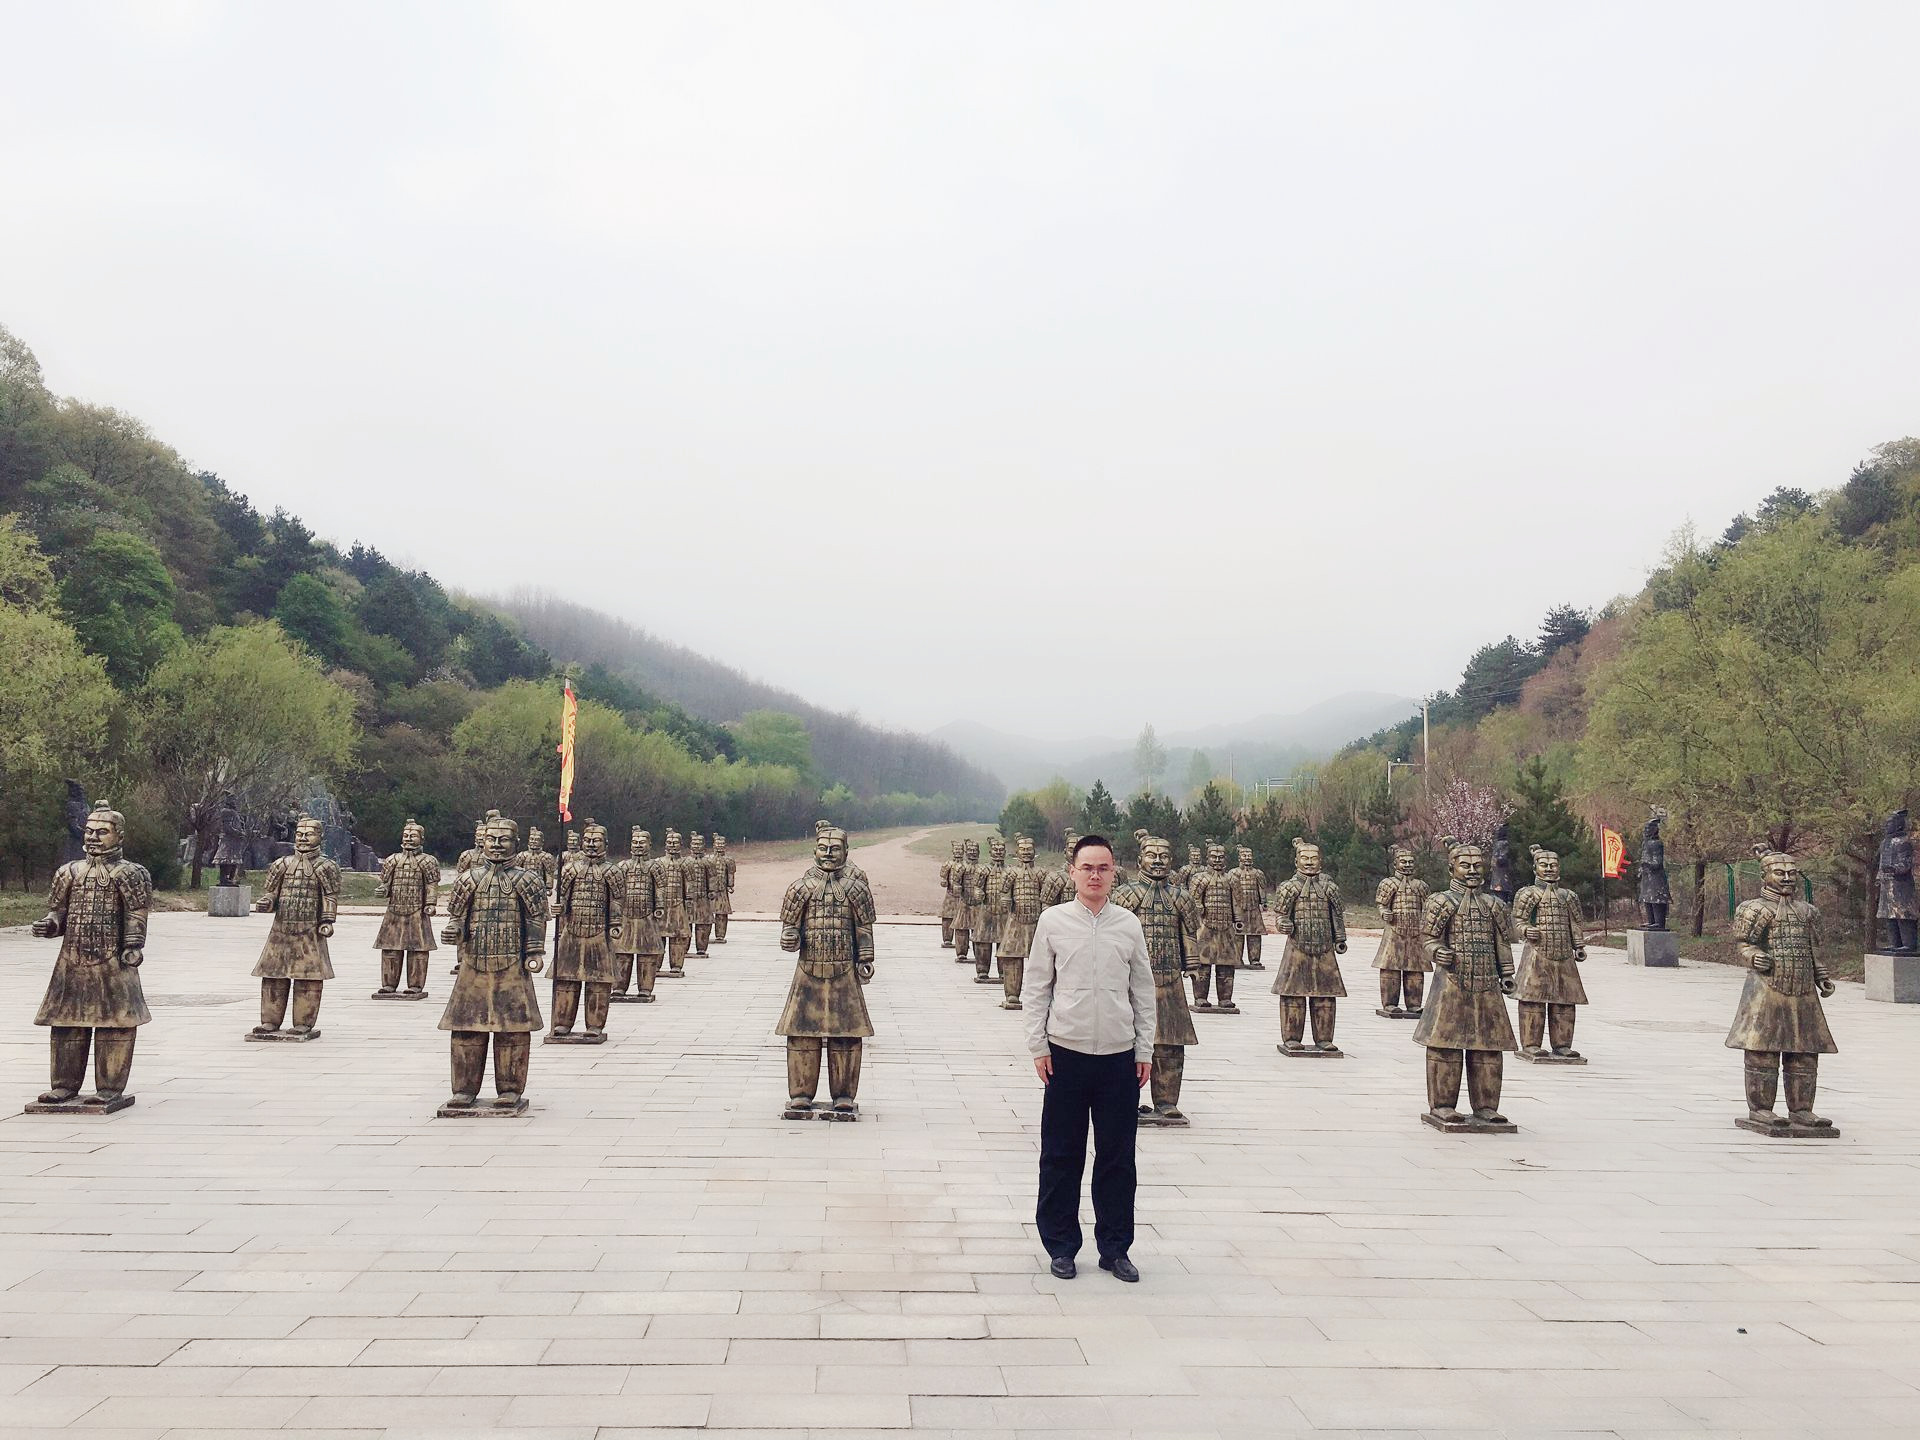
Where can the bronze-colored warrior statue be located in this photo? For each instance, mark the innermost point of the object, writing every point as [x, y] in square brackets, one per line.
[98, 907]
[676, 924]
[1218, 945]
[1196, 866]
[1314, 919]
[967, 885]
[1897, 908]
[700, 892]
[1402, 956]
[1058, 886]
[1247, 884]
[827, 917]
[724, 868]
[1780, 1022]
[231, 854]
[302, 891]
[640, 943]
[1170, 921]
[1654, 893]
[587, 905]
[1023, 892]
[470, 858]
[989, 910]
[950, 902]
[1468, 934]
[537, 858]
[497, 920]
[850, 870]
[410, 881]
[1547, 914]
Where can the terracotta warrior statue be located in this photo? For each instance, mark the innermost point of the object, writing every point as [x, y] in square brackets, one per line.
[1247, 884]
[966, 884]
[1057, 888]
[1547, 915]
[410, 881]
[990, 910]
[587, 905]
[231, 854]
[1218, 945]
[1314, 920]
[1897, 908]
[497, 920]
[677, 921]
[640, 944]
[470, 858]
[1023, 891]
[1468, 933]
[302, 892]
[1402, 956]
[537, 858]
[1655, 896]
[950, 903]
[1195, 867]
[1170, 921]
[700, 892]
[827, 918]
[98, 907]
[850, 870]
[1780, 1022]
[725, 867]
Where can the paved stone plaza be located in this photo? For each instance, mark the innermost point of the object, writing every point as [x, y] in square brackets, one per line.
[282, 1238]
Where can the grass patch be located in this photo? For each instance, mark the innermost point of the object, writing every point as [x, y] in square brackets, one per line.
[939, 843]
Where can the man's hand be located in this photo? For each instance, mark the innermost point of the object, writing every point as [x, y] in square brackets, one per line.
[1043, 1067]
[1142, 1072]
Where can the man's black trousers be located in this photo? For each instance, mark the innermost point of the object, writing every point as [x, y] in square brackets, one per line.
[1100, 1088]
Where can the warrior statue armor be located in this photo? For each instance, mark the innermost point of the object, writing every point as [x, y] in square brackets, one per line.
[302, 892]
[1402, 956]
[98, 907]
[1023, 891]
[990, 910]
[1313, 919]
[1780, 1022]
[1170, 922]
[827, 918]
[410, 881]
[1547, 915]
[537, 858]
[1218, 944]
[1653, 892]
[1247, 883]
[700, 892]
[640, 944]
[966, 884]
[1897, 907]
[724, 869]
[1057, 886]
[677, 919]
[587, 905]
[497, 922]
[1468, 934]
[950, 898]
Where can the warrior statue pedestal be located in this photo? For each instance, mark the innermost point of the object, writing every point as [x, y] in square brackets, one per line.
[399, 995]
[1303, 1051]
[574, 1037]
[850, 1111]
[1894, 978]
[1655, 949]
[77, 1106]
[282, 1037]
[1468, 1125]
[1781, 1128]
[230, 902]
[1547, 1057]
[483, 1110]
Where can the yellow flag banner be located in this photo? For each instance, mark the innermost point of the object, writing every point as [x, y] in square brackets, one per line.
[569, 718]
[1613, 854]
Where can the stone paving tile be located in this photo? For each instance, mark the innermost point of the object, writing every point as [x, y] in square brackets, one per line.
[284, 1240]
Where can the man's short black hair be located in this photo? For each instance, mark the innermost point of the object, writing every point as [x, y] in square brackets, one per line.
[1086, 840]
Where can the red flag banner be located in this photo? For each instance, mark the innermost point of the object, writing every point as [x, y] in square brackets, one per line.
[1613, 854]
[569, 718]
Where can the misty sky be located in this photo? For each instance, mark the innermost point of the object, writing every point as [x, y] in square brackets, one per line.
[931, 359]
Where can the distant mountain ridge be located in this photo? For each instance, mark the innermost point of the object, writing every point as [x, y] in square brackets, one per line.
[1266, 746]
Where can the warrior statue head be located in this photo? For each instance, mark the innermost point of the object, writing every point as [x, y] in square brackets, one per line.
[997, 848]
[1651, 830]
[593, 841]
[573, 842]
[1245, 857]
[1466, 862]
[719, 844]
[499, 838]
[697, 843]
[641, 845]
[1196, 856]
[480, 828]
[1896, 824]
[536, 842]
[972, 850]
[1779, 871]
[1546, 865]
[1073, 838]
[1023, 852]
[673, 844]
[1156, 856]
[1216, 857]
[413, 838]
[306, 837]
[830, 849]
[101, 837]
[1402, 861]
[1306, 856]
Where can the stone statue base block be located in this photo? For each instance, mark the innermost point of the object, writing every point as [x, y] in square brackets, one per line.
[986, 979]
[1151, 1121]
[576, 1038]
[1467, 1125]
[1656, 949]
[635, 999]
[230, 902]
[1548, 1058]
[400, 995]
[1894, 978]
[1254, 965]
[830, 1113]
[1312, 1052]
[1011, 1005]
[76, 1106]
[1783, 1129]
[284, 1037]
[820, 1112]
[481, 1110]
[1386, 1014]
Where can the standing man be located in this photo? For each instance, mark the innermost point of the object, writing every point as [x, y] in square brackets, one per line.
[724, 869]
[1091, 1016]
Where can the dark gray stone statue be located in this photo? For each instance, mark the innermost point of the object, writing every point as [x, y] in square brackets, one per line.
[1500, 873]
[230, 852]
[75, 845]
[1897, 908]
[1654, 894]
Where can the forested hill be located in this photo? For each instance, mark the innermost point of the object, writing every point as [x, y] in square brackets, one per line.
[163, 642]
[872, 761]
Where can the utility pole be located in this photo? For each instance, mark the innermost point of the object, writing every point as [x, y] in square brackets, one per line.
[1426, 757]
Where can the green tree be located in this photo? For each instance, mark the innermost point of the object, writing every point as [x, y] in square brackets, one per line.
[26, 580]
[1149, 760]
[1020, 816]
[1564, 625]
[1199, 772]
[1541, 816]
[773, 737]
[242, 709]
[1099, 815]
[57, 710]
[118, 597]
[311, 612]
[1210, 817]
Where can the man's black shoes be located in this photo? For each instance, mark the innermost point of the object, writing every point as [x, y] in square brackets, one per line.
[1063, 1267]
[1122, 1268]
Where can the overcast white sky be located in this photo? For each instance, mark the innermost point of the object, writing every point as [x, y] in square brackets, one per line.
[1062, 367]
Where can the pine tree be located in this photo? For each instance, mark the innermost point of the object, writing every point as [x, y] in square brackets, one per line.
[1541, 817]
[1099, 815]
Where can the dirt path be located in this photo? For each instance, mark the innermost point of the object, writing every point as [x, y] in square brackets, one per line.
[903, 883]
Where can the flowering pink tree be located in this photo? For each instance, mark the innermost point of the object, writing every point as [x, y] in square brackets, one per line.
[1469, 812]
